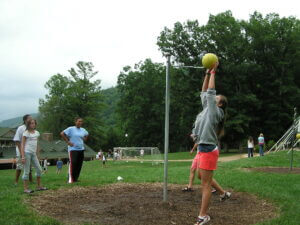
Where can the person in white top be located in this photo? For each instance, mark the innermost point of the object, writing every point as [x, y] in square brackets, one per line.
[142, 152]
[18, 141]
[29, 152]
[103, 160]
[261, 143]
[100, 154]
[45, 165]
[250, 147]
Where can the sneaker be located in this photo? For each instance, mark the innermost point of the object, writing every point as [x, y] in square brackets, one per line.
[202, 220]
[28, 191]
[225, 196]
[41, 189]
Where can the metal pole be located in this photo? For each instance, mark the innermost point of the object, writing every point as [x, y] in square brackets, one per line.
[167, 109]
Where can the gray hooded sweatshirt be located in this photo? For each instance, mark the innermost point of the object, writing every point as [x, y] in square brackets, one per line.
[206, 124]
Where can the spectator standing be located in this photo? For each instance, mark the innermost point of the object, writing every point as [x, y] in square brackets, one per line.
[261, 143]
[250, 147]
[18, 141]
[59, 165]
[75, 136]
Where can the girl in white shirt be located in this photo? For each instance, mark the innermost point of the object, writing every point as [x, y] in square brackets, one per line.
[250, 147]
[103, 160]
[29, 151]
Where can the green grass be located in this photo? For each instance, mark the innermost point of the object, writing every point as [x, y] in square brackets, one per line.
[281, 189]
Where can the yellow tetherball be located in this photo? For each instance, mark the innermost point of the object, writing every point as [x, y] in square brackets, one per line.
[209, 60]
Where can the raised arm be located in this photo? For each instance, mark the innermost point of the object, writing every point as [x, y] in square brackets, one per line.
[211, 92]
[211, 84]
[206, 80]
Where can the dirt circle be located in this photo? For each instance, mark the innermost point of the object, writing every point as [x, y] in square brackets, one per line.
[285, 170]
[136, 204]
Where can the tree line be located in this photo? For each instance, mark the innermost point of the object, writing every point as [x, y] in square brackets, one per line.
[258, 72]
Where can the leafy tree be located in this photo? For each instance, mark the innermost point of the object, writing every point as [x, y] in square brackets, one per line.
[142, 103]
[111, 98]
[72, 96]
[275, 54]
[258, 71]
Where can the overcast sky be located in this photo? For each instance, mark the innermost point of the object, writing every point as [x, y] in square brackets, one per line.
[39, 38]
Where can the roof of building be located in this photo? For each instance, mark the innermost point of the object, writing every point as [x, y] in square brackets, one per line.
[7, 133]
[58, 148]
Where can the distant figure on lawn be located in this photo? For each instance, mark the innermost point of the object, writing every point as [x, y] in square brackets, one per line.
[45, 165]
[261, 143]
[75, 136]
[18, 140]
[103, 160]
[99, 155]
[59, 165]
[142, 152]
[250, 146]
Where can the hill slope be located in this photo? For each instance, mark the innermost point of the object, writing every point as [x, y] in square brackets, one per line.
[111, 98]
[14, 122]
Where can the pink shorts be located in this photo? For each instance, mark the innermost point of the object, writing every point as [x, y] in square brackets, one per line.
[208, 160]
[195, 163]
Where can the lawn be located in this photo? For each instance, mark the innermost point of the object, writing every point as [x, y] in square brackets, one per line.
[281, 189]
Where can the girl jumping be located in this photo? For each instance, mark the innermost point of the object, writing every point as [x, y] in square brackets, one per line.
[209, 126]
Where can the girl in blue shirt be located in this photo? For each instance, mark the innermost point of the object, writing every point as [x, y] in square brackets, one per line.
[261, 143]
[75, 137]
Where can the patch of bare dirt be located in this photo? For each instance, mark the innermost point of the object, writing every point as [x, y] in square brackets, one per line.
[275, 170]
[136, 204]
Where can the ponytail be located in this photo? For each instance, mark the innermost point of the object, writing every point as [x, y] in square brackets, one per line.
[223, 105]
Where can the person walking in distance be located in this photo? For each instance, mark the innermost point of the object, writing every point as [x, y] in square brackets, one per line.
[59, 165]
[261, 143]
[75, 136]
[250, 147]
[45, 165]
